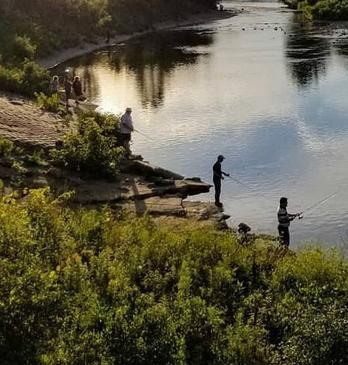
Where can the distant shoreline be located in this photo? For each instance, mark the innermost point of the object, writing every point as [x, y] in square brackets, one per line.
[66, 54]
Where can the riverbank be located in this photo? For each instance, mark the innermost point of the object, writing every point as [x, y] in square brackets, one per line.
[85, 48]
[139, 188]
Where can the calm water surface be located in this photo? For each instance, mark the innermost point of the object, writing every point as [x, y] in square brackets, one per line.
[265, 91]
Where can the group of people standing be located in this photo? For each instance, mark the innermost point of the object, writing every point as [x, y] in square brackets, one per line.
[72, 88]
[284, 218]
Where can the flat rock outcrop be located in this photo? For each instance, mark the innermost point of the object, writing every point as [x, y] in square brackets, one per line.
[24, 123]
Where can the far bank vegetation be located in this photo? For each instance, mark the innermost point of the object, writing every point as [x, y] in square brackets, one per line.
[31, 29]
[321, 9]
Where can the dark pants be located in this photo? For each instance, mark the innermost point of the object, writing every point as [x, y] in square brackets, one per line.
[125, 141]
[217, 185]
[284, 235]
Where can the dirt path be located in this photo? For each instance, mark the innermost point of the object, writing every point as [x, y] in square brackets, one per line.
[24, 123]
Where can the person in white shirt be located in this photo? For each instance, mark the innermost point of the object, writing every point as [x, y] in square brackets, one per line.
[126, 128]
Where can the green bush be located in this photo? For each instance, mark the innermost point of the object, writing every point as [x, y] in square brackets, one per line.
[23, 48]
[6, 147]
[321, 9]
[331, 9]
[34, 79]
[49, 103]
[27, 79]
[87, 286]
[92, 147]
[10, 78]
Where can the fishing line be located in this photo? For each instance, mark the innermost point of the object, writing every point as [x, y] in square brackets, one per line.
[300, 215]
[248, 187]
[143, 134]
[321, 202]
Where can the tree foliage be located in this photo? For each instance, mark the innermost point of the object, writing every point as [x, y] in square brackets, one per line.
[321, 9]
[33, 28]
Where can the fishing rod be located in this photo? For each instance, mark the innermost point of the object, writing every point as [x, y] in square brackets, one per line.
[299, 215]
[143, 134]
[319, 203]
[247, 187]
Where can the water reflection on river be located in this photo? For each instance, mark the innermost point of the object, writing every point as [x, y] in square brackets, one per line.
[271, 98]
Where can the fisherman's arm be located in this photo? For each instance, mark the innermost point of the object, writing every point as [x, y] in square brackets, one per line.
[293, 216]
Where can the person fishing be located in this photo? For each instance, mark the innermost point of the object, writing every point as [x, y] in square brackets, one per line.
[217, 177]
[284, 219]
[126, 129]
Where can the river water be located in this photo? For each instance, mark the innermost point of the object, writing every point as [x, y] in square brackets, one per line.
[261, 88]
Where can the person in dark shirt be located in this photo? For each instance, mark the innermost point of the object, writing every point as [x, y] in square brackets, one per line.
[217, 177]
[77, 87]
[67, 89]
[284, 219]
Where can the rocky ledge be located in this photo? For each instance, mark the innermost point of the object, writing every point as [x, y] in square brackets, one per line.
[139, 188]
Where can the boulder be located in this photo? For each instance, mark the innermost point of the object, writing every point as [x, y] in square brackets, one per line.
[144, 168]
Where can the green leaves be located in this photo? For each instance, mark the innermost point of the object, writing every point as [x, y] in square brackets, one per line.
[85, 286]
[92, 147]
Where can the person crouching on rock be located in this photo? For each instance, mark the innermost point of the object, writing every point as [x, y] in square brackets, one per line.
[217, 177]
[126, 128]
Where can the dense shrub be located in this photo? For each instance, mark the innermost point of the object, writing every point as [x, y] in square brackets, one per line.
[23, 48]
[27, 78]
[92, 147]
[321, 9]
[86, 286]
[50, 103]
[6, 147]
[331, 9]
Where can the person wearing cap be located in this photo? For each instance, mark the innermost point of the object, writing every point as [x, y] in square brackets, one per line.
[217, 177]
[126, 128]
[284, 219]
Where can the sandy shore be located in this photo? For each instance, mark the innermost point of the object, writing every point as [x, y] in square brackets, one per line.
[85, 48]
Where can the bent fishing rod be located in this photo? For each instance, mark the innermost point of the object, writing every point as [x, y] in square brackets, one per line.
[318, 203]
[299, 215]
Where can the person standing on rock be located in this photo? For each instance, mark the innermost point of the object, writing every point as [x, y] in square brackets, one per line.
[217, 177]
[54, 85]
[126, 128]
[284, 219]
[77, 87]
[67, 89]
